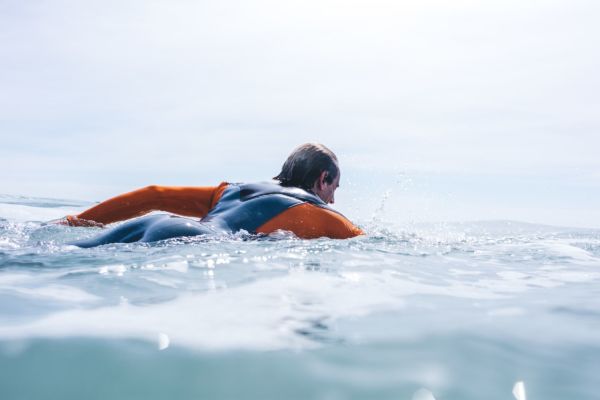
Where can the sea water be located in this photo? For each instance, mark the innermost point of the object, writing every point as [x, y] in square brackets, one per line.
[485, 310]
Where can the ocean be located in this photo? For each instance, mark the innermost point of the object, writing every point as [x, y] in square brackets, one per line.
[463, 310]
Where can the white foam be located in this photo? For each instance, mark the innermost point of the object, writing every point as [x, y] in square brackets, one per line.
[8, 244]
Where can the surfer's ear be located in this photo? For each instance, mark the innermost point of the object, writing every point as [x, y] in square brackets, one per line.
[322, 179]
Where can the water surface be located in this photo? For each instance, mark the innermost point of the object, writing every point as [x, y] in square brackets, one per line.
[462, 310]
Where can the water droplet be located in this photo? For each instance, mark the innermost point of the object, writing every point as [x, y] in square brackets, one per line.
[163, 341]
[519, 391]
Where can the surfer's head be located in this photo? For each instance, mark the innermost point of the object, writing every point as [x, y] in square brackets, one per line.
[312, 167]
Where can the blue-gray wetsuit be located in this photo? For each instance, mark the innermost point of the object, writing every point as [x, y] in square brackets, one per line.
[241, 207]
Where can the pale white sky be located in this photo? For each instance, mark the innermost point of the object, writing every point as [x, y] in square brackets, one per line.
[465, 109]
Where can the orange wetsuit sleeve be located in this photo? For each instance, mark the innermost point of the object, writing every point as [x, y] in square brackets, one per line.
[308, 221]
[189, 201]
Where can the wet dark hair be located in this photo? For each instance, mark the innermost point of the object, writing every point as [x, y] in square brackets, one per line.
[304, 166]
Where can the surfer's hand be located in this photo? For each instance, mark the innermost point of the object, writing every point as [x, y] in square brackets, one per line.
[72, 220]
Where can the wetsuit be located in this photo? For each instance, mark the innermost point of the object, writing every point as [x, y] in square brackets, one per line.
[255, 208]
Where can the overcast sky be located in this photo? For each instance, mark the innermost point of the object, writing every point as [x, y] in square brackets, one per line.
[460, 109]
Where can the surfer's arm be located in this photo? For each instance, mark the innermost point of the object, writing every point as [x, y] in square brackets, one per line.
[193, 201]
[308, 221]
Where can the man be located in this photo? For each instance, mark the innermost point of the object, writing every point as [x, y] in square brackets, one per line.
[298, 203]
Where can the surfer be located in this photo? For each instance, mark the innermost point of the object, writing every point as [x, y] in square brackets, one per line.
[297, 200]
